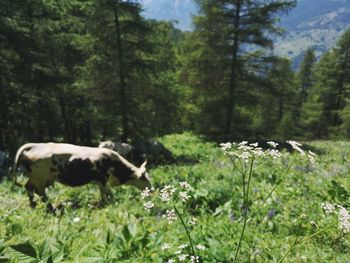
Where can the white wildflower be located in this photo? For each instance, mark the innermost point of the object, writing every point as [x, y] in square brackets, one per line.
[76, 219]
[296, 146]
[193, 221]
[226, 146]
[145, 193]
[344, 219]
[243, 143]
[184, 196]
[171, 261]
[244, 155]
[274, 153]
[194, 259]
[170, 215]
[178, 252]
[328, 208]
[254, 144]
[182, 246]
[200, 247]
[148, 205]
[182, 257]
[166, 193]
[165, 246]
[272, 144]
[185, 185]
[258, 152]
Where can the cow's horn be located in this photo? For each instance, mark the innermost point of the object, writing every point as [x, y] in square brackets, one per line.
[144, 164]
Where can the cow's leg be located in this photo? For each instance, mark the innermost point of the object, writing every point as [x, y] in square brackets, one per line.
[30, 191]
[106, 193]
[43, 196]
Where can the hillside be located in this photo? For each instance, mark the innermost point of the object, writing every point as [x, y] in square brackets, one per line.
[313, 23]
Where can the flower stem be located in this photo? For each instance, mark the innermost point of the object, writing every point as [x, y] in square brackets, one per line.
[187, 232]
[245, 204]
[240, 238]
[249, 179]
[289, 250]
[297, 241]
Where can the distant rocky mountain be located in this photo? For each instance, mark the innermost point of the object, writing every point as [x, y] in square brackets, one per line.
[313, 23]
[175, 10]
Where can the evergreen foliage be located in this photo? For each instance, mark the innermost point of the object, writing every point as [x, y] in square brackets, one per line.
[82, 71]
[228, 60]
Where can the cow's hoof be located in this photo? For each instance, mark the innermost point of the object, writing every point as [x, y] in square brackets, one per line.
[102, 204]
[50, 208]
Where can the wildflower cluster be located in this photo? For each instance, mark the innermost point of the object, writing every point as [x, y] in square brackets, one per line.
[245, 150]
[297, 146]
[167, 198]
[168, 195]
[178, 253]
[342, 213]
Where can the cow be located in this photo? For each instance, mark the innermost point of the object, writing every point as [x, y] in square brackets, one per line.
[141, 150]
[122, 148]
[74, 165]
[154, 151]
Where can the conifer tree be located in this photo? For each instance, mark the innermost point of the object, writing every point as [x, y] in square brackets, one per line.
[325, 109]
[226, 42]
[278, 101]
[304, 77]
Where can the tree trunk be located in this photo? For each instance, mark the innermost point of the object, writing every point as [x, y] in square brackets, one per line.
[3, 116]
[233, 76]
[2, 146]
[281, 107]
[67, 130]
[120, 61]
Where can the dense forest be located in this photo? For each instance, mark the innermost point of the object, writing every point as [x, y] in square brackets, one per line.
[81, 71]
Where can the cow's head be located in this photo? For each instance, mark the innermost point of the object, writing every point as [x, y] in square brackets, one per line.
[140, 178]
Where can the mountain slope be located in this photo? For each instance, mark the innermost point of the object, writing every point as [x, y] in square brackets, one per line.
[313, 23]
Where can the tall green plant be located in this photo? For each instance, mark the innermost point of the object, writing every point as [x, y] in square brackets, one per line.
[247, 158]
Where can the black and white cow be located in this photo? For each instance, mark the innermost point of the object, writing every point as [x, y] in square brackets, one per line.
[74, 165]
[124, 149]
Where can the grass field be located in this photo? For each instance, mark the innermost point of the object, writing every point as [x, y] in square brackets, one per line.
[124, 231]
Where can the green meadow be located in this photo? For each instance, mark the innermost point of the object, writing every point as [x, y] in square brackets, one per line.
[81, 230]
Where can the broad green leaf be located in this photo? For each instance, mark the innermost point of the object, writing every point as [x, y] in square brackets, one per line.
[44, 250]
[126, 233]
[4, 259]
[25, 249]
[132, 229]
[50, 260]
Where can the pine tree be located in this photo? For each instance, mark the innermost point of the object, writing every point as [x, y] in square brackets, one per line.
[129, 69]
[226, 41]
[304, 76]
[278, 101]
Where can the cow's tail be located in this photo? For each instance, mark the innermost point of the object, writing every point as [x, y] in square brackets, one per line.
[18, 155]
